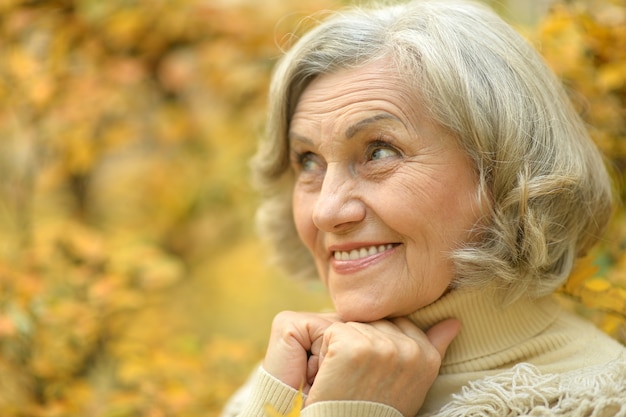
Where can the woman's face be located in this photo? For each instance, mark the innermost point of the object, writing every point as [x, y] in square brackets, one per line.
[382, 193]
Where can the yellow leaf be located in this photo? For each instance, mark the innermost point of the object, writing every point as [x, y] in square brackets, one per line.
[270, 411]
[593, 292]
[612, 76]
[615, 300]
[611, 324]
[583, 270]
[597, 285]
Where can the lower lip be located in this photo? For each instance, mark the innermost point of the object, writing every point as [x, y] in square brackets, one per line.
[356, 265]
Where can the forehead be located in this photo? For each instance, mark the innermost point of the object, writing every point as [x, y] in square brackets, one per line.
[346, 94]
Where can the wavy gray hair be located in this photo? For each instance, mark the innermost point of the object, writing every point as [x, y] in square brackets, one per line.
[546, 183]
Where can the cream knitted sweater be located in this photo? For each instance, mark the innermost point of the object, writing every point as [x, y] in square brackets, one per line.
[529, 359]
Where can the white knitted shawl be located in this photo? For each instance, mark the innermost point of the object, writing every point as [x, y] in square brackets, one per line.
[597, 391]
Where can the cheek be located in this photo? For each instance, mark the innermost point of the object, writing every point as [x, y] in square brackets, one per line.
[445, 199]
[302, 217]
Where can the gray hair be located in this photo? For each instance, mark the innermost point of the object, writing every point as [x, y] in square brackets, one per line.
[545, 182]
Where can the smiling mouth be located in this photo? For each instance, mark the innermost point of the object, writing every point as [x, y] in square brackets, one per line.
[355, 254]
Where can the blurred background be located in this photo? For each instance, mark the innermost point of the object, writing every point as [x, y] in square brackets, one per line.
[131, 279]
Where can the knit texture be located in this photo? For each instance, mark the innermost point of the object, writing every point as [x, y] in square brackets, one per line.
[528, 359]
[598, 391]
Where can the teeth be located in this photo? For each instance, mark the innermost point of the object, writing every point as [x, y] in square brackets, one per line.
[361, 253]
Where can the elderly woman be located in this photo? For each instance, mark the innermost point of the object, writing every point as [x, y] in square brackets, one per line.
[428, 165]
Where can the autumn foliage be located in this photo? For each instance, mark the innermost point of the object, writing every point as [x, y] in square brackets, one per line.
[585, 44]
[130, 280]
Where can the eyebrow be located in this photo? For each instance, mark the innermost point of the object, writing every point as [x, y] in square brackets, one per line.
[351, 130]
[293, 137]
[355, 128]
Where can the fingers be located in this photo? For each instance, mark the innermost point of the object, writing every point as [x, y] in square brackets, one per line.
[442, 334]
[330, 359]
[439, 335]
[380, 362]
[293, 350]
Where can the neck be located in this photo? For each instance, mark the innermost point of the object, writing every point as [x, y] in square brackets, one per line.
[491, 335]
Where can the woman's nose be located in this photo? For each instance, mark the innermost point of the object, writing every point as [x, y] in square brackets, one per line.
[338, 206]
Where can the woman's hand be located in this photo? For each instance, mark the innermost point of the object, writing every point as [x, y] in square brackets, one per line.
[387, 361]
[294, 347]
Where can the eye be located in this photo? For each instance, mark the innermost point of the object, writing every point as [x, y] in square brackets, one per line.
[381, 150]
[306, 161]
[381, 153]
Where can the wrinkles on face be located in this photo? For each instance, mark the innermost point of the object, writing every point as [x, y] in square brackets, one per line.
[372, 168]
[323, 104]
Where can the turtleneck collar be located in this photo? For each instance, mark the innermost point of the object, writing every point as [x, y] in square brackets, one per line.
[491, 335]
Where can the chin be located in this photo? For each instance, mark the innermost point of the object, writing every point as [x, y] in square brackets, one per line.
[361, 315]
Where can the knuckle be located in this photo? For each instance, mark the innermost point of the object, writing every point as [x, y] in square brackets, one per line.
[388, 351]
[351, 344]
[423, 357]
[433, 361]
[283, 317]
[334, 331]
[330, 332]
[413, 352]
[335, 328]
[361, 352]
[285, 324]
